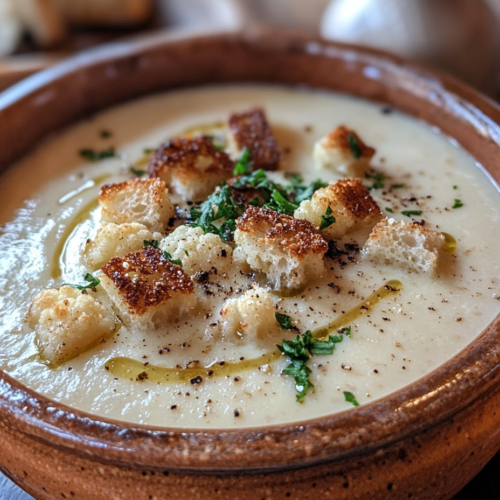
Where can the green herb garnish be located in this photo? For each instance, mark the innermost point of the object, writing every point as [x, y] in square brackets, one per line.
[397, 186]
[220, 205]
[166, 255]
[350, 398]
[244, 164]
[90, 282]
[409, 213]
[138, 173]
[105, 134]
[354, 145]
[284, 321]
[280, 204]
[455, 187]
[148, 151]
[457, 204]
[389, 209]
[96, 156]
[327, 220]
[306, 192]
[378, 180]
[152, 243]
[298, 352]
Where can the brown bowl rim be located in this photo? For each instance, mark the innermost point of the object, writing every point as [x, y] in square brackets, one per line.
[450, 388]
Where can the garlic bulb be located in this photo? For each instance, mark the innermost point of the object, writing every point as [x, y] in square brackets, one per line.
[455, 35]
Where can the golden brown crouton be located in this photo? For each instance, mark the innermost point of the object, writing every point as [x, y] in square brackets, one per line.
[147, 289]
[192, 168]
[344, 151]
[288, 250]
[142, 201]
[251, 130]
[347, 201]
[406, 245]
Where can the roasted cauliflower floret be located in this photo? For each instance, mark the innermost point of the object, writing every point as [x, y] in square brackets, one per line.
[68, 322]
[147, 290]
[405, 245]
[288, 250]
[340, 208]
[250, 316]
[116, 240]
[250, 130]
[343, 151]
[143, 201]
[196, 250]
[192, 168]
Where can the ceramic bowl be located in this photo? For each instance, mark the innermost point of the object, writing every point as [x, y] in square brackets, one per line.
[425, 441]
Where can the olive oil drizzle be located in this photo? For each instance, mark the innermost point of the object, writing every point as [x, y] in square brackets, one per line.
[128, 368]
[82, 215]
[450, 243]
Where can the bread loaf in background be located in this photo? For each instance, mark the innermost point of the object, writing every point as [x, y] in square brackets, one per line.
[105, 12]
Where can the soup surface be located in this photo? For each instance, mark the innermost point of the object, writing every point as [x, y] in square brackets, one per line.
[48, 213]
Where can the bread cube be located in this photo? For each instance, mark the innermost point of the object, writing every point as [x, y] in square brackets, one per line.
[198, 251]
[147, 290]
[250, 316]
[406, 245]
[116, 240]
[67, 323]
[288, 251]
[191, 167]
[143, 201]
[343, 151]
[250, 130]
[347, 201]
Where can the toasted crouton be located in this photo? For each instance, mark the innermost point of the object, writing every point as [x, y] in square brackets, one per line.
[250, 130]
[250, 316]
[143, 201]
[404, 244]
[116, 240]
[347, 201]
[288, 250]
[343, 151]
[196, 250]
[192, 168]
[68, 322]
[146, 289]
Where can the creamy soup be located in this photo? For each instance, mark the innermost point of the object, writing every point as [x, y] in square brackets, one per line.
[49, 211]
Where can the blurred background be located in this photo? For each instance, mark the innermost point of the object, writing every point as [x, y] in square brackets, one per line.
[459, 36]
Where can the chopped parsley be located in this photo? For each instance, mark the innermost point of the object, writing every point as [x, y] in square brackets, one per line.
[219, 205]
[327, 220]
[350, 398]
[303, 193]
[284, 321]
[148, 151]
[409, 213]
[457, 204]
[166, 255]
[279, 203]
[138, 173]
[298, 351]
[455, 187]
[89, 282]
[389, 209]
[345, 331]
[152, 243]
[96, 156]
[105, 134]
[354, 146]
[397, 186]
[244, 164]
[378, 180]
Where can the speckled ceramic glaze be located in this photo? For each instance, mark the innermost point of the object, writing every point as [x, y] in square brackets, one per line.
[424, 442]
